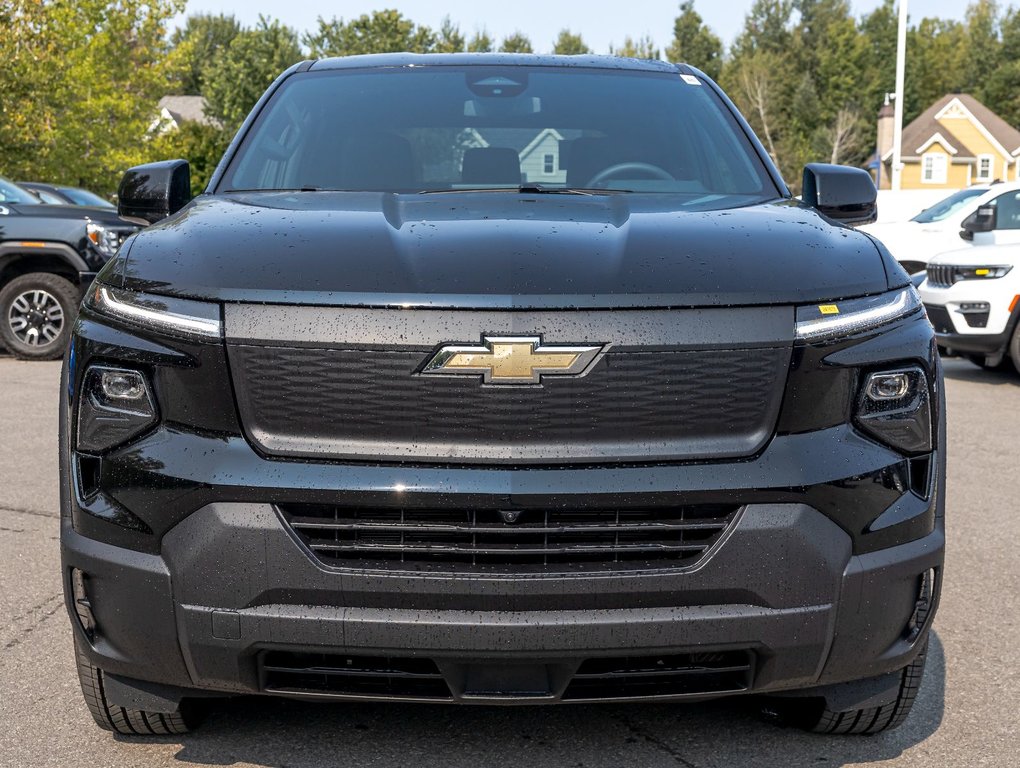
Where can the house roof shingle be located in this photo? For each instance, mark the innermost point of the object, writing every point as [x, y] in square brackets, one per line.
[918, 132]
[186, 109]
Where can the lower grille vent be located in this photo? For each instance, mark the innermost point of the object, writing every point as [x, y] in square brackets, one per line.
[677, 675]
[383, 677]
[520, 540]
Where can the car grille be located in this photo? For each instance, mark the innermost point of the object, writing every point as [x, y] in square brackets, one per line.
[484, 539]
[939, 319]
[602, 679]
[674, 675]
[942, 275]
[405, 678]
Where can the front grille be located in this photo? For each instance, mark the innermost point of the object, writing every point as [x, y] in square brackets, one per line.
[318, 673]
[942, 276]
[602, 679]
[538, 540]
[674, 675]
[371, 405]
[939, 319]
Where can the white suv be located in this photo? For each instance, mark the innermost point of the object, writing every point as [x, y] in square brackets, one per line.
[972, 297]
[913, 243]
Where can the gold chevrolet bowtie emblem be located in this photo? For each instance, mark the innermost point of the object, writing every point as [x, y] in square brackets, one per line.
[513, 360]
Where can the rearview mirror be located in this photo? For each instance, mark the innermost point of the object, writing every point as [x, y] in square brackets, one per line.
[840, 192]
[982, 220]
[155, 190]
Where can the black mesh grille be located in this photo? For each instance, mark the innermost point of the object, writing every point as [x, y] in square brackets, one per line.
[942, 275]
[484, 539]
[674, 675]
[939, 318]
[632, 405]
[286, 672]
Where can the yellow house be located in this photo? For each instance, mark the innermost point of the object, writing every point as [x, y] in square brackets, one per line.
[956, 142]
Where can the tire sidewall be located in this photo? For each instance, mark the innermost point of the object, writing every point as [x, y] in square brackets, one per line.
[66, 294]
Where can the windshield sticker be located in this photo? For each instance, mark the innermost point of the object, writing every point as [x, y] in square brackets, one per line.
[691, 80]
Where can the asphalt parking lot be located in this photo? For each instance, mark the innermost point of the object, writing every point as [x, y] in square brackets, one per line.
[965, 716]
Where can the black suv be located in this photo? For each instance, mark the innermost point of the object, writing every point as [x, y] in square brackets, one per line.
[493, 379]
[48, 256]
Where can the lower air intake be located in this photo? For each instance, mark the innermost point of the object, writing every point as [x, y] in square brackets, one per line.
[337, 675]
[687, 674]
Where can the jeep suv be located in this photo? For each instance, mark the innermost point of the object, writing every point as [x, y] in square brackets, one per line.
[494, 379]
[48, 255]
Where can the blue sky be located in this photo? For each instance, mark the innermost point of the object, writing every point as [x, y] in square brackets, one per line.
[600, 22]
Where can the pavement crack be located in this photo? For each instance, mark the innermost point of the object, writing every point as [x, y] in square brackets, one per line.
[655, 742]
[32, 512]
[27, 630]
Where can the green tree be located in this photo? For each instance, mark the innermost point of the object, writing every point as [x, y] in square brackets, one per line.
[242, 71]
[200, 40]
[694, 43]
[449, 39]
[381, 32]
[642, 48]
[1002, 88]
[568, 44]
[201, 145]
[481, 43]
[79, 86]
[982, 55]
[518, 42]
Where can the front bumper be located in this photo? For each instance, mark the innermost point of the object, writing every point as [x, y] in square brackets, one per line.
[231, 591]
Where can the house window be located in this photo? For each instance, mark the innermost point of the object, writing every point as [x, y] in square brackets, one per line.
[549, 164]
[934, 168]
[985, 167]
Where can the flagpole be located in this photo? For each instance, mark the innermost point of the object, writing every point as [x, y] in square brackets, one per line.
[901, 67]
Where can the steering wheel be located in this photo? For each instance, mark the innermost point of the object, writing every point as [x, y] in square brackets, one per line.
[606, 174]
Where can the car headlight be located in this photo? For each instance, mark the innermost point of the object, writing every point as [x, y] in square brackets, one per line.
[893, 406]
[981, 273]
[105, 240]
[116, 405]
[843, 318]
[183, 318]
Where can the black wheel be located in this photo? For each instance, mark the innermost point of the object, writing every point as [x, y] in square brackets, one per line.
[982, 362]
[814, 714]
[36, 314]
[129, 722]
[1014, 348]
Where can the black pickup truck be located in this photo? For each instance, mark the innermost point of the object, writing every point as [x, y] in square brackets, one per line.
[48, 256]
[496, 379]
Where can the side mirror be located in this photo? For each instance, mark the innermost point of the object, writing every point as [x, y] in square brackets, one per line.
[982, 220]
[840, 192]
[155, 190]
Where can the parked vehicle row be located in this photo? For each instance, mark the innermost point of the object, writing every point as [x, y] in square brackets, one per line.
[49, 254]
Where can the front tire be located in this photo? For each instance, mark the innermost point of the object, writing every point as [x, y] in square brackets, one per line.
[129, 722]
[815, 715]
[1014, 348]
[981, 361]
[36, 314]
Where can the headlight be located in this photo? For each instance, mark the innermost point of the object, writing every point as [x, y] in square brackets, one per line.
[116, 405]
[843, 318]
[105, 240]
[893, 406]
[194, 320]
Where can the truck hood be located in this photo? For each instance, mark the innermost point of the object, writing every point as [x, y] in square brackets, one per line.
[499, 249]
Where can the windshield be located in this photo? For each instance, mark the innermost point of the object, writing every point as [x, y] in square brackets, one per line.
[445, 128]
[46, 196]
[84, 197]
[12, 193]
[947, 207]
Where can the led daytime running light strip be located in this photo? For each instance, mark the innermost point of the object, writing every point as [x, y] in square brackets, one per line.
[108, 302]
[902, 303]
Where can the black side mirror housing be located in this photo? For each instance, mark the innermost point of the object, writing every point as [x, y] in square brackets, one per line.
[840, 192]
[155, 190]
[982, 220]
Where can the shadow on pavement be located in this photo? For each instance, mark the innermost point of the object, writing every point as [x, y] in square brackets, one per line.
[961, 370]
[281, 733]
